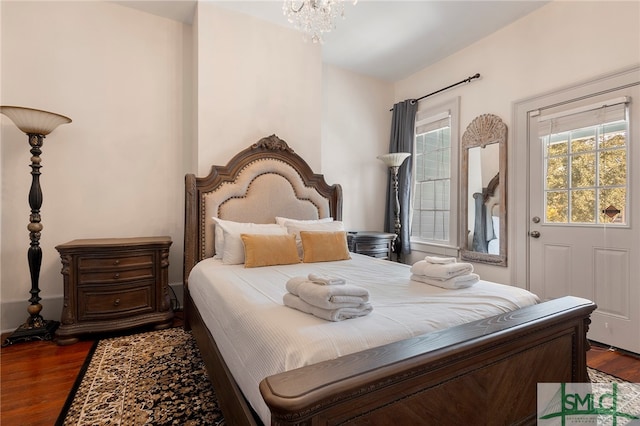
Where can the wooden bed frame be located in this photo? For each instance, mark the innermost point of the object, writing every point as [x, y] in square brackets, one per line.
[484, 372]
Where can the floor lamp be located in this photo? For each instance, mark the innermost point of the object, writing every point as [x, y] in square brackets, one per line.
[36, 124]
[394, 160]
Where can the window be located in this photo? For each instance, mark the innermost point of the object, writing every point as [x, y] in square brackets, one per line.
[435, 170]
[585, 165]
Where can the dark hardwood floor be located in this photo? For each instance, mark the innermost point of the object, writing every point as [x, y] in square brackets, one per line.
[36, 377]
[616, 362]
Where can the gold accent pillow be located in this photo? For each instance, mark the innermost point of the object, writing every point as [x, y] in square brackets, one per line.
[320, 246]
[267, 250]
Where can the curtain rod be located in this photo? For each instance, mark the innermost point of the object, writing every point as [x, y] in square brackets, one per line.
[466, 80]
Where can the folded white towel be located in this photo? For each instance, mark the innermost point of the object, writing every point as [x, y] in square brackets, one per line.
[440, 260]
[337, 314]
[461, 281]
[293, 284]
[326, 279]
[328, 296]
[441, 271]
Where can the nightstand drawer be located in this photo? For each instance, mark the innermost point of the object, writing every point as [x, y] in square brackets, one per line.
[115, 261]
[115, 275]
[377, 254]
[372, 247]
[103, 302]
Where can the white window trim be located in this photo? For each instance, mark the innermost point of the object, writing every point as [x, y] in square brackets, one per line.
[453, 107]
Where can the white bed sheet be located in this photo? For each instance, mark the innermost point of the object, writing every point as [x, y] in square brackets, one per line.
[258, 336]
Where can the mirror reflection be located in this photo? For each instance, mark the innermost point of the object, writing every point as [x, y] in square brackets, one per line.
[483, 224]
[484, 200]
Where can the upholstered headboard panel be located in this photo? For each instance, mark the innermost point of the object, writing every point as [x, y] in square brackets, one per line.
[262, 190]
[263, 181]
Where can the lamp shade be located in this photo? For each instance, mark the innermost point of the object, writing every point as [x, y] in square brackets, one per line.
[34, 121]
[394, 159]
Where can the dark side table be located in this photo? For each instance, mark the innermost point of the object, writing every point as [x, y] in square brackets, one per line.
[371, 243]
[113, 284]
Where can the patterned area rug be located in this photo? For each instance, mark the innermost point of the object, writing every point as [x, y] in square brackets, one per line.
[154, 378]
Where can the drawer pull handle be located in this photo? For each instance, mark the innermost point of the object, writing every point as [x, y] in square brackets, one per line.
[116, 302]
[116, 276]
[116, 262]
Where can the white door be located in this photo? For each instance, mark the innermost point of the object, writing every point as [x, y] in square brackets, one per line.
[584, 215]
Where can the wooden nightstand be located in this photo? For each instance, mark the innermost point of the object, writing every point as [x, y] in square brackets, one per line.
[374, 244]
[113, 284]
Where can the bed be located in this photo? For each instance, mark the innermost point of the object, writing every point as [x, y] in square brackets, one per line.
[483, 369]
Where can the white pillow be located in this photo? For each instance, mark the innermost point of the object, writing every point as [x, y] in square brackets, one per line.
[218, 240]
[282, 221]
[295, 228]
[232, 250]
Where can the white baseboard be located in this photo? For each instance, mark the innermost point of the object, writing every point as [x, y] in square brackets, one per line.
[14, 313]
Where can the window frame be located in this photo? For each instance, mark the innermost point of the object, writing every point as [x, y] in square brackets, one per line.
[593, 120]
[432, 114]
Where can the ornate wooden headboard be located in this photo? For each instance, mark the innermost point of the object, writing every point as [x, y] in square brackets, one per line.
[265, 180]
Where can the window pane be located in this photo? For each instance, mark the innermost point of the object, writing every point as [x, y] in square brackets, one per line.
[583, 170]
[439, 195]
[557, 173]
[616, 198]
[583, 204]
[445, 164]
[427, 220]
[613, 167]
[614, 135]
[557, 207]
[583, 140]
[427, 201]
[420, 143]
[559, 145]
[439, 231]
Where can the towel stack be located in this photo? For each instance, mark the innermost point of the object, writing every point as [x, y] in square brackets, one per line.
[326, 297]
[444, 272]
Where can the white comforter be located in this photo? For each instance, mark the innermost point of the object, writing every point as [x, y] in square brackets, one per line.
[258, 336]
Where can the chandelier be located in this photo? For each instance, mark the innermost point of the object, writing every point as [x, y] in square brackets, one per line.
[314, 17]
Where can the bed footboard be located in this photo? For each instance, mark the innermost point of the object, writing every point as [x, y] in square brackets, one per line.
[485, 372]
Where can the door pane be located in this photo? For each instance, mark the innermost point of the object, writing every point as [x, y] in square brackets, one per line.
[583, 204]
[616, 198]
[583, 140]
[557, 210]
[557, 172]
[613, 167]
[583, 170]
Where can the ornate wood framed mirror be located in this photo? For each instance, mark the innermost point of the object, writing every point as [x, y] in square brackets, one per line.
[483, 218]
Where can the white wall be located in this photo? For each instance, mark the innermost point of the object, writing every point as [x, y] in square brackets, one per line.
[356, 129]
[255, 79]
[117, 169]
[559, 44]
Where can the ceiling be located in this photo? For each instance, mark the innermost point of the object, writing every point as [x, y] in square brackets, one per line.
[389, 40]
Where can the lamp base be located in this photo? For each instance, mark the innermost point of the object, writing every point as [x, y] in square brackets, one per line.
[27, 333]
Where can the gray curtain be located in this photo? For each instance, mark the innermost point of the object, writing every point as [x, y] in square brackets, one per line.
[402, 134]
